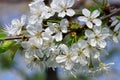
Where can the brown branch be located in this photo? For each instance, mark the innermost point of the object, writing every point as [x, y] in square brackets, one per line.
[12, 38]
[111, 14]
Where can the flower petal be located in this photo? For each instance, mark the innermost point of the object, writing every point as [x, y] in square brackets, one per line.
[63, 25]
[114, 22]
[62, 14]
[89, 34]
[115, 39]
[97, 22]
[61, 58]
[64, 48]
[70, 3]
[93, 42]
[25, 44]
[86, 52]
[23, 19]
[117, 27]
[82, 44]
[95, 14]
[82, 60]
[102, 43]
[70, 12]
[58, 36]
[89, 24]
[86, 12]
[82, 18]
[69, 65]
[97, 30]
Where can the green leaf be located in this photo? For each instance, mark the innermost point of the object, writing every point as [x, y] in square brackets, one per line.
[2, 34]
[13, 50]
[92, 8]
[118, 17]
[6, 45]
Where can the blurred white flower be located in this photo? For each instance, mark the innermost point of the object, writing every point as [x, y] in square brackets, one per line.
[67, 57]
[97, 36]
[90, 18]
[58, 29]
[81, 50]
[104, 67]
[63, 7]
[48, 47]
[34, 62]
[37, 31]
[33, 47]
[116, 24]
[39, 12]
[16, 26]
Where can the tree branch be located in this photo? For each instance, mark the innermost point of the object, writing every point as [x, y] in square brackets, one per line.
[111, 14]
[12, 38]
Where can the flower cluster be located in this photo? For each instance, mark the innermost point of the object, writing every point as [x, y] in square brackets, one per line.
[52, 38]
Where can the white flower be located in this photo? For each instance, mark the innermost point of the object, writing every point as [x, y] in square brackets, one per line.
[58, 29]
[49, 12]
[67, 57]
[39, 12]
[34, 62]
[37, 31]
[116, 24]
[48, 47]
[81, 49]
[90, 18]
[104, 67]
[97, 36]
[16, 26]
[33, 47]
[34, 30]
[63, 7]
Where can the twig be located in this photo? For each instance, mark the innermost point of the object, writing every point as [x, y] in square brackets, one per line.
[111, 14]
[12, 38]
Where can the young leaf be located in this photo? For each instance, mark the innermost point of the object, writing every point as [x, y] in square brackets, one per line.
[2, 34]
[12, 51]
[118, 17]
[6, 45]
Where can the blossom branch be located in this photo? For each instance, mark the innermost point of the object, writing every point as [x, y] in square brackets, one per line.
[111, 14]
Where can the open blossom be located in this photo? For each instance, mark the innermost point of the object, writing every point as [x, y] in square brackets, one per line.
[16, 26]
[90, 18]
[63, 7]
[34, 62]
[97, 36]
[58, 29]
[32, 47]
[36, 30]
[104, 67]
[67, 57]
[81, 49]
[39, 12]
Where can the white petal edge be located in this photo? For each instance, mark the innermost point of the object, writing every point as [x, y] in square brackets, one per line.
[70, 12]
[97, 22]
[89, 24]
[95, 14]
[86, 12]
[82, 18]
